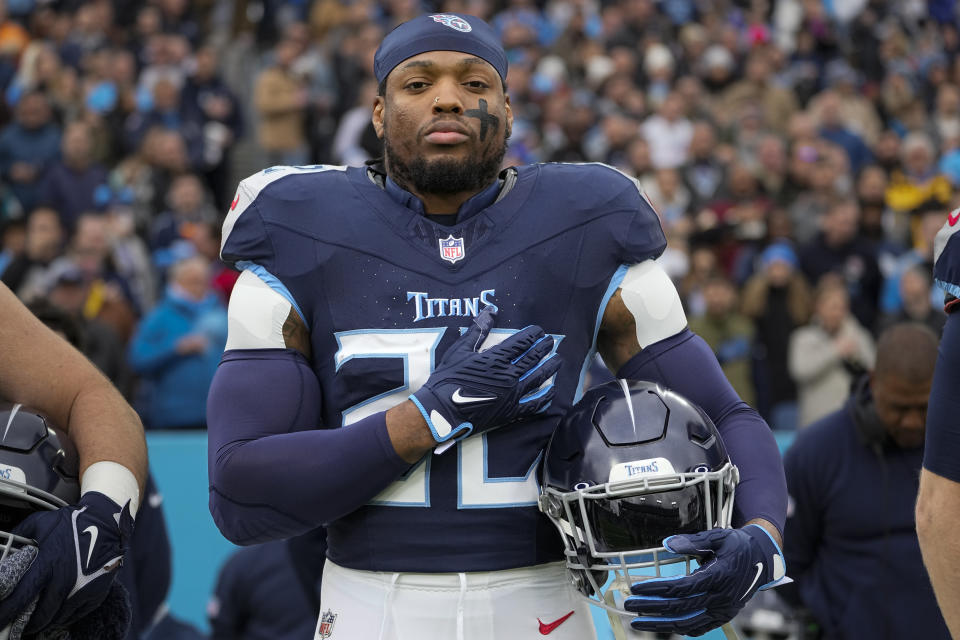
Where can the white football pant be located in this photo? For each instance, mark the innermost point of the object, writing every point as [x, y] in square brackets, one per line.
[515, 604]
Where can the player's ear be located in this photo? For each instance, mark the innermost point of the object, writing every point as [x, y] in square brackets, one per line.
[377, 116]
[509, 112]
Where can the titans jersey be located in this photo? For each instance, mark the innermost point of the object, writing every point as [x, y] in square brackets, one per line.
[384, 291]
[946, 256]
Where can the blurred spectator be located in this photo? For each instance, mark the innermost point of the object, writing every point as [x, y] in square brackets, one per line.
[949, 164]
[772, 168]
[729, 334]
[164, 111]
[109, 295]
[717, 66]
[838, 249]
[210, 102]
[27, 146]
[62, 310]
[658, 66]
[778, 300]
[668, 133]
[165, 55]
[741, 204]
[176, 16]
[704, 266]
[188, 205]
[177, 348]
[669, 197]
[919, 180]
[834, 128]
[609, 143]
[916, 306]
[13, 241]
[703, 173]
[13, 37]
[25, 273]
[258, 596]
[813, 181]
[888, 151]
[856, 112]
[74, 183]
[129, 255]
[758, 90]
[927, 221]
[355, 141]
[204, 239]
[166, 156]
[879, 224]
[946, 115]
[828, 354]
[850, 537]
[281, 97]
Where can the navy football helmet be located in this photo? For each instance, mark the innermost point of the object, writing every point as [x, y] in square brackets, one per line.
[630, 464]
[38, 470]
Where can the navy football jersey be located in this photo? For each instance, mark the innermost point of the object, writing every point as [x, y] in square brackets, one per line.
[384, 291]
[946, 256]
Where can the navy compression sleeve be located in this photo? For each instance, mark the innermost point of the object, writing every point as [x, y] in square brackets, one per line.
[943, 428]
[273, 473]
[685, 363]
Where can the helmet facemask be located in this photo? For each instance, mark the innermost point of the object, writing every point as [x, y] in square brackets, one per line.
[613, 532]
[38, 472]
[630, 464]
[17, 501]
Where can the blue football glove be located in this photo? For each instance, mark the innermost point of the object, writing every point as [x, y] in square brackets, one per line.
[80, 548]
[472, 391]
[734, 564]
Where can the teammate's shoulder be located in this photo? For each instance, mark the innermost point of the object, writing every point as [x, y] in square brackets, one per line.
[946, 255]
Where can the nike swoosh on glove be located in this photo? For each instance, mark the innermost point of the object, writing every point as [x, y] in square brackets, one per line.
[734, 564]
[473, 391]
[80, 547]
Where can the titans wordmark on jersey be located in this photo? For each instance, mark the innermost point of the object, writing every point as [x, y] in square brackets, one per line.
[384, 291]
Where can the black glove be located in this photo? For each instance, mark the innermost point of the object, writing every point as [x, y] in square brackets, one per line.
[472, 391]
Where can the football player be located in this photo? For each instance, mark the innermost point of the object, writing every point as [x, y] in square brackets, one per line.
[938, 504]
[404, 337]
[81, 545]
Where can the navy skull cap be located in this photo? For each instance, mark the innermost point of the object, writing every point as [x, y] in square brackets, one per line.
[440, 32]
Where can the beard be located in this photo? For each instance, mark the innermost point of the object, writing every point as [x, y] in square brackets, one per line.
[445, 176]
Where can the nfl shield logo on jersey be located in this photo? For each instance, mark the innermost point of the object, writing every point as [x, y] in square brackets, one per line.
[325, 628]
[451, 249]
[454, 22]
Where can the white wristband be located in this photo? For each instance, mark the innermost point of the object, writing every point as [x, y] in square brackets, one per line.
[113, 480]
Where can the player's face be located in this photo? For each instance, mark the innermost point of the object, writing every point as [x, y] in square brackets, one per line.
[902, 408]
[445, 121]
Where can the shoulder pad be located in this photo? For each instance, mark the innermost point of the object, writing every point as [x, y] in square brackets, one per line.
[608, 189]
[244, 237]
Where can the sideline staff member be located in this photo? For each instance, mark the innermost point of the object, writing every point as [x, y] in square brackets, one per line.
[850, 540]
